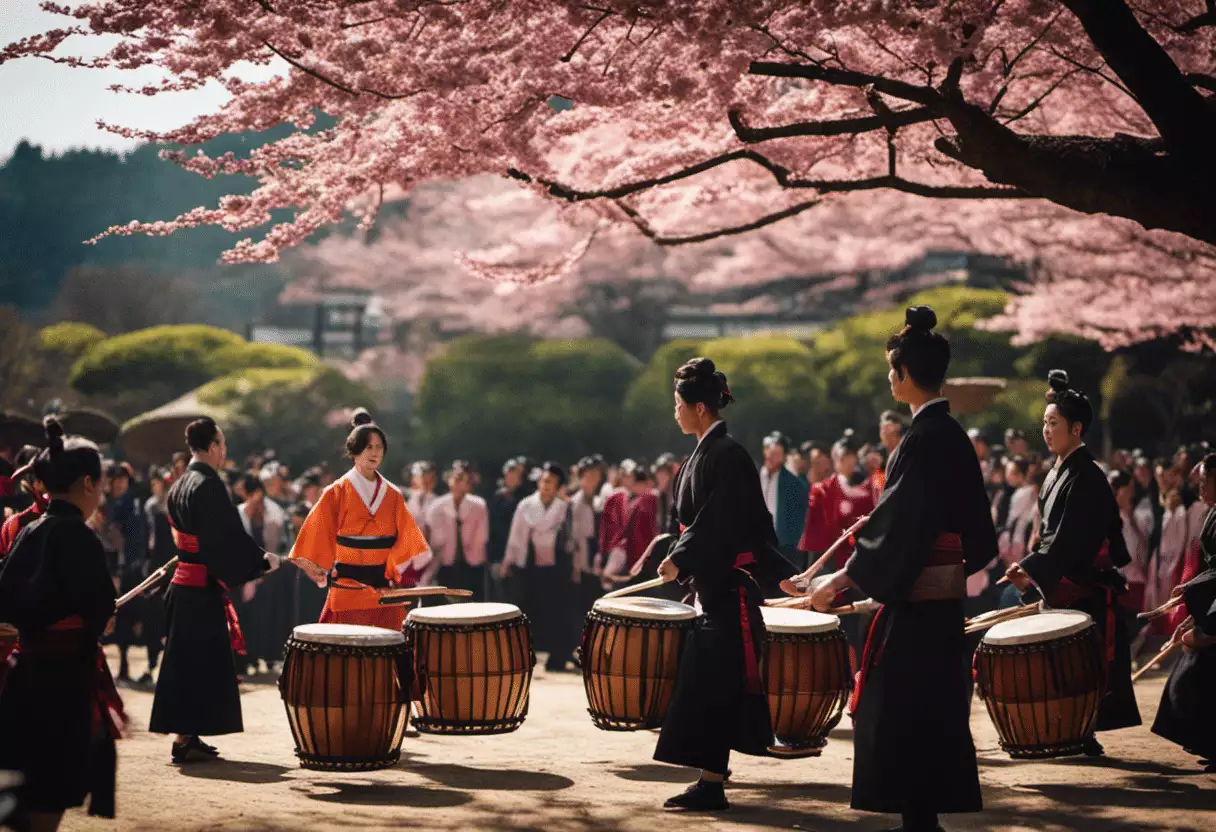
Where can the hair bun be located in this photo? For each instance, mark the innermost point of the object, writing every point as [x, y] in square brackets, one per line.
[1058, 380]
[920, 317]
[727, 398]
[360, 417]
[54, 433]
[848, 433]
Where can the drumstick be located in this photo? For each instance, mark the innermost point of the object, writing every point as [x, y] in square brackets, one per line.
[1018, 612]
[1174, 643]
[642, 587]
[423, 591]
[314, 571]
[814, 568]
[155, 578]
[1161, 610]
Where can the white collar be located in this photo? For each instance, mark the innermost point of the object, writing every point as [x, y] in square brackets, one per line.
[712, 428]
[916, 409]
[367, 490]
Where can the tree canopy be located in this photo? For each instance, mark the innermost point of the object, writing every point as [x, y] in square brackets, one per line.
[1074, 132]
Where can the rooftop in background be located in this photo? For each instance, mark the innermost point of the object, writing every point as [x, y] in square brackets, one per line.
[800, 306]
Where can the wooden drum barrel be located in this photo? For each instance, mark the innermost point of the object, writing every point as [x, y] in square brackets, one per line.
[472, 667]
[346, 688]
[1042, 678]
[807, 676]
[631, 656]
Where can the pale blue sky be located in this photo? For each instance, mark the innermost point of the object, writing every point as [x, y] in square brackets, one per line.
[58, 106]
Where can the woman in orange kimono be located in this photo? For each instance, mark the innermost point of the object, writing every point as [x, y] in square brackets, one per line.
[361, 536]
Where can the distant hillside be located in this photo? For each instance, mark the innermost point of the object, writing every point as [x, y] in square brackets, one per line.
[50, 204]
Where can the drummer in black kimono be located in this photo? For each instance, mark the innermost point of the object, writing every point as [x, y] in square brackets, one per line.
[727, 550]
[1080, 548]
[1185, 715]
[197, 693]
[59, 711]
[913, 752]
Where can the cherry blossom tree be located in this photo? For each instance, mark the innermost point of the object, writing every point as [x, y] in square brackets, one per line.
[700, 119]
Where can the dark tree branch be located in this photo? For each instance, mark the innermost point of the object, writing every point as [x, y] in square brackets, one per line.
[767, 219]
[1202, 80]
[574, 49]
[926, 96]
[307, 70]
[1208, 18]
[781, 175]
[837, 127]
[1178, 111]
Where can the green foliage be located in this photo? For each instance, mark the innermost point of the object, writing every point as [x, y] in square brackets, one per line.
[1019, 405]
[490, 398]
[850, 356]
[248, 356]
[69, 340]
[771, 377]
[286, 409]
[178, 356]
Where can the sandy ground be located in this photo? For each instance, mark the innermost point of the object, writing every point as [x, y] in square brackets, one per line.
[558, 773]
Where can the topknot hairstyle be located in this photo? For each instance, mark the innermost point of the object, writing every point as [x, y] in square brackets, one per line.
[846, 444]
[362, 428]
[699, 382]
[64, 461]
[919, 351]
[1072, 404]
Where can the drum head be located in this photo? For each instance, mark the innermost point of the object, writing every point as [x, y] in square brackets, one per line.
[461, 615]
[1034, 629]
[350, 635]
[647, 609]
[7, 630]
[783, 620]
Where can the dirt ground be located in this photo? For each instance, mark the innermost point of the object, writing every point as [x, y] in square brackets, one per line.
[558, 773]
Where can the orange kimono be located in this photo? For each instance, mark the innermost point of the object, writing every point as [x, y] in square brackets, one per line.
[363, 532]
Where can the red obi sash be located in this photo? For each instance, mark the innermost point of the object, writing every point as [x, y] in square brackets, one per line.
[751, 663]
[195, 575]
[947, 552]
[62, 638]
[1068, 594]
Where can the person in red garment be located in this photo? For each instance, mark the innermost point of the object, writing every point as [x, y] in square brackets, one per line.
[24, 479]
[629, 522]
[834, 505]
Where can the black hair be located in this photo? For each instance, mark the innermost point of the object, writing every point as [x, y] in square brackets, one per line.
[1014, 433]
[1072, 404]
[458, 468]
[180, 456]
[362, 428]
[554, 469]
[1209, 466]
[252, 484]
[892, 417]
[778, 438]
[1021, 463]
[201, 434]
[1118, 479]
[63, 462]
[919, 351]
[665, 460]
[845, 444]
[636, 468]
[589, 463]
[699, 382]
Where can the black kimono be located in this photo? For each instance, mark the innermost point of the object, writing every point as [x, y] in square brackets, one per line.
[56, 590]
[197, 693]
[728, 550]
[1185, 715]
[1080, 544]
[912, 745]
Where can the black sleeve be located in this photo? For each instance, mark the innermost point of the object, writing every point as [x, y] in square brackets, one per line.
[893, 545]
[1079, 535]
[232, 556]
[707, 549]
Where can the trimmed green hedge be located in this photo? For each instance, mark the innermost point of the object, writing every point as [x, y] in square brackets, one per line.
[69, 340]
[178, 357]
[490, 398]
